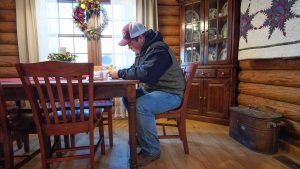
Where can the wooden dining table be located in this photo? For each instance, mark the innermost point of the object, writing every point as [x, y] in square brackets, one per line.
[13, 91]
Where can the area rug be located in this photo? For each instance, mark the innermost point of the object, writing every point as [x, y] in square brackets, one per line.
[269, 29]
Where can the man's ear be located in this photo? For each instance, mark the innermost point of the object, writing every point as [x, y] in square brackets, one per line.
[142, 38]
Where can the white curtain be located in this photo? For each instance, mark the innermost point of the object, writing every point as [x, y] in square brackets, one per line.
[123, 12]
[47, 27]
[37, 34]
[147, 13]
[27, 31]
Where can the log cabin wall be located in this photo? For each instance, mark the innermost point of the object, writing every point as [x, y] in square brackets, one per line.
[169, 23]
[9, 54]
[273, 85]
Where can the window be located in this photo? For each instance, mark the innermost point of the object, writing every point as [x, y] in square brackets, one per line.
[70, 37]
[106, 38]
[62, 32]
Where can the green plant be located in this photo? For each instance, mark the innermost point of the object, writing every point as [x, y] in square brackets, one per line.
[62, 56]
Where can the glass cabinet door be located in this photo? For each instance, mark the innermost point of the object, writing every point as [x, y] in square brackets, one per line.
[217, 31]
[192, 33]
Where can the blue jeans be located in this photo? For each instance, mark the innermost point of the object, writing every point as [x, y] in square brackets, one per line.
[147, 105]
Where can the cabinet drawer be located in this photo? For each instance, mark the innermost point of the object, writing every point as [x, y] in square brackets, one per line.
[206, 73]
[223, 72]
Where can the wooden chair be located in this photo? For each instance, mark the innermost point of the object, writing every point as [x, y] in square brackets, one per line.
[16, 125]
[107, 105]
[179, 113]
[61, 81]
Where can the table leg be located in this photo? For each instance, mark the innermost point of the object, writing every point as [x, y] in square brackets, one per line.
[132, 128]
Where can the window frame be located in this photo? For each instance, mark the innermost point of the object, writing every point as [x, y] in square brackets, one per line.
[94, 53]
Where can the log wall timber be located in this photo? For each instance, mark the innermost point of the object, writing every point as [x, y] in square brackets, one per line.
[9, 54]
[289, 111]
[8, 27]
[274, 77]
[171, 40]
[273, 85]
[9, 50]
[164, 10]
[7, 4]
[8, 60]
[283, 94]
[169, 24]
[169, 30]
[8, 38]
[168, 20]
[8, 15]
[8, 72]
[168, 2]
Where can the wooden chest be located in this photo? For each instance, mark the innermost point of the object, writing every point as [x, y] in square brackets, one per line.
[255, 129]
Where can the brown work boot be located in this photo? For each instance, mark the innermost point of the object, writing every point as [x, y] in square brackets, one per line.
[143, 160]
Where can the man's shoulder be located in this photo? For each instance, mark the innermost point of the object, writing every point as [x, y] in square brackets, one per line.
[159, 44]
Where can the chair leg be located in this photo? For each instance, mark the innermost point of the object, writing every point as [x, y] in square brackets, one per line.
[92, 149]
[72, 140]
[179, 128]
[164, 129]
[67, 141]
[45, 146]
[26, 143]
[19, 143]
[109, 123]
[8, 153]
[101, 136]
[57, 140]
[183, 136]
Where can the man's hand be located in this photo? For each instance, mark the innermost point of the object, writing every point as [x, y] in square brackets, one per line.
[113, 74]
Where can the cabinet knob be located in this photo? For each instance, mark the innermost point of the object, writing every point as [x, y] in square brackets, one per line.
[223, 73]
[202, 73]
[204, 98]
[200, 98]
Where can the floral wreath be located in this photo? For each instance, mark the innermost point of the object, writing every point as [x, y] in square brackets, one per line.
[83, 12]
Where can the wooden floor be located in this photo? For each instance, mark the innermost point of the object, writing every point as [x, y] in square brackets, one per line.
[209, 144]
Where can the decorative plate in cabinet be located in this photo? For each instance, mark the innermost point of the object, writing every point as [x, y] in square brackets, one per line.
[191, 15]
[212, 13]
[224, 9]
[224, 31]
[223, 54]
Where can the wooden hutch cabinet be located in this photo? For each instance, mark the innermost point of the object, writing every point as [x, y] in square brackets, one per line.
[207, 38]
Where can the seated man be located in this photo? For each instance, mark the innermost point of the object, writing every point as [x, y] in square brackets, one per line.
[162, 84]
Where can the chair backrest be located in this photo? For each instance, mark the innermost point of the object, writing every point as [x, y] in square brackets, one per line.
[189, 73]
[47, 83]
